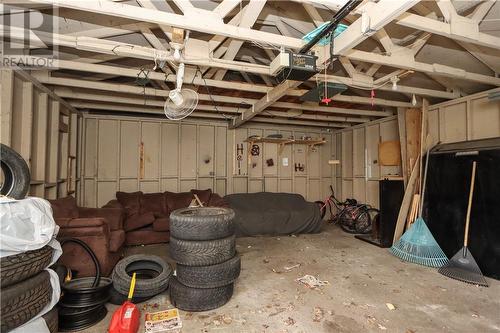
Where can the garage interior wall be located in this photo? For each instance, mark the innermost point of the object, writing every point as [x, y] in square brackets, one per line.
[43, 131]
[151, 155]
[468, 118]
[359, 173]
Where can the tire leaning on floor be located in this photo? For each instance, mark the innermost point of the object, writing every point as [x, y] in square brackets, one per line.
[19, 267]
[16, 174]
[197, 299]
[22, 301]
[152, 278]
[202, 253]
[209, 276]
[202, 223]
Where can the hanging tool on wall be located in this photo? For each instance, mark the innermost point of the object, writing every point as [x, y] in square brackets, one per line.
[239, 156]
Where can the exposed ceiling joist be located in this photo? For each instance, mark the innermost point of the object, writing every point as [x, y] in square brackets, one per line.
[460, 28]
[127, 108]
[199, 20]
[130, 89]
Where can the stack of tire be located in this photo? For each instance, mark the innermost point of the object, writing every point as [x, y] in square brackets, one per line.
[202, 243]
[26, 289]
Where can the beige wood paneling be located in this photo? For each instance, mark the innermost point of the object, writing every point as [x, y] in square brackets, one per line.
[240, 185]
[372, 142]
[270, 153]
[221, 152]
[188, 151]
[483, 118]
[358, 152]
[389, 131]
[347, 154]
[221, 187]
[205, 183]
[372, 193]
[300, 185]
[187, 185]
[129, 149]
[129, 185]
[105, 191]
[149, 186]
[346, 189]
[170, 184]
[453, 123]
[151, 140]
[314, 190]
[359, 189]
[90, 151]
[107, 142]
[206, 151]
[285, 185]
[256, 162]
[170, 149]
[255, 185]
[271, 184]
[326, 154]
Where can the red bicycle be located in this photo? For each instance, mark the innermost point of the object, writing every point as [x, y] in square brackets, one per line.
[352, 217]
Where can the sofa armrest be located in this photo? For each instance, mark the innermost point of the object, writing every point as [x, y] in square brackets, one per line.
[83, 227]
[217, 201]
[114, 216]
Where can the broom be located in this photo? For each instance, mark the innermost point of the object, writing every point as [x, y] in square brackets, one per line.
[462, 266]
[417, 245]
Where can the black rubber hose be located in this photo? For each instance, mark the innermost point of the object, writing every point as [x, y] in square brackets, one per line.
[91, 254]
[82, 304]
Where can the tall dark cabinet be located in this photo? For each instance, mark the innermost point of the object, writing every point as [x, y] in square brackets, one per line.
[445, 206]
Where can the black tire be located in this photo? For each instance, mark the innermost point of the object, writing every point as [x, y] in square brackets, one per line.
[202, 253]
[19, 267]
[203, 223]
[210, 276]
[196, 299]
[16, 173]
[153, 275]
[22, 301]
[117, 298]
[52, 320]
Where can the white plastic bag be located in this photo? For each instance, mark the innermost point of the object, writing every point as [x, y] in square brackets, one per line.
[25, 225]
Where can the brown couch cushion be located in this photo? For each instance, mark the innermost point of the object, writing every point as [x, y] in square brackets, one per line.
[138, 221]
[155, 203]
[178, 200]
[161, 224]
[204, 195]
[131, 202]
[116, 240]
[64, 208]
[147, 235]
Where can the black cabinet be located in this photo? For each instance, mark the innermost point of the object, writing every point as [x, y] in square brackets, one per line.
[446, 197]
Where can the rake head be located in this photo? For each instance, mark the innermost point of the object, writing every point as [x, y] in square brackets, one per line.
[417, 245]
[463, 267]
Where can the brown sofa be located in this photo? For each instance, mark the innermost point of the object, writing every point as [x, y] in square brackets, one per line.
[100, 228]
[147, 214]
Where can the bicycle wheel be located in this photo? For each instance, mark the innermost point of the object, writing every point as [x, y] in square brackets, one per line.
[364, 220]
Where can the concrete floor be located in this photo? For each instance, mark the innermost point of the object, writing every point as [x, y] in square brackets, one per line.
[363, 278]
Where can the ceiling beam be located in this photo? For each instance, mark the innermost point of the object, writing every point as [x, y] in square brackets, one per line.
[130, 89]
[379, 14]
[250, 15]
[408, 62]
[212, 115]
[75, 95]
[225, 7]
[460, 28]
[132, 73]
[199, 20]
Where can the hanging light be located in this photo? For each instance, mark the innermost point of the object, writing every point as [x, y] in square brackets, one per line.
[413, 100]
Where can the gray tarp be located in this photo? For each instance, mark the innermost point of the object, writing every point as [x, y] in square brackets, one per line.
[273, 214]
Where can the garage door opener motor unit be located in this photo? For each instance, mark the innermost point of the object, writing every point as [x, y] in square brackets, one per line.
[294, 66]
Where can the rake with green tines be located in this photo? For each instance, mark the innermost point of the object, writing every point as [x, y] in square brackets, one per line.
[417, 245]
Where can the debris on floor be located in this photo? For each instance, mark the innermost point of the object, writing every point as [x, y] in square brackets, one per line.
[290, 321]
[222, 319]
[390, 306]
[286, 269]
[312, 282]
[318, 314]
